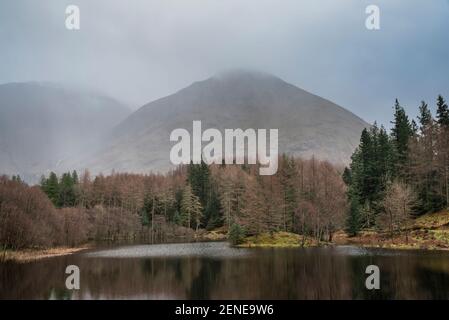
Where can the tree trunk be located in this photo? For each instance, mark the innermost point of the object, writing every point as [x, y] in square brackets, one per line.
[447, 184]
[152, 222]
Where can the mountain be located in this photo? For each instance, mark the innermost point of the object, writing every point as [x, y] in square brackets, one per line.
[308, 124]
[44, 124]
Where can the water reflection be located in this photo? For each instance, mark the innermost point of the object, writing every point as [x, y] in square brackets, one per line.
[177, 250]
[199, 272]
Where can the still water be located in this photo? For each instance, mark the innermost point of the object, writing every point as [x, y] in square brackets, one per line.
[216, 271]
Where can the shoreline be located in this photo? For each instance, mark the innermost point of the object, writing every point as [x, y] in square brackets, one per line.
[393, 246]
[30, 255]
[388, 246]
[421, 239]
[428, 232]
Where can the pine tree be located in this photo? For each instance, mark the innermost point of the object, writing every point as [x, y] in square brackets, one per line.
[17, 178]
[51, 188]
[236, 234]
[367, 177]
[75, 178]
[199, 179]
[385, 157]
[355, 173]
[423, 153]
[347, 176]
[213, 211]
[443, 145]
[371, 168]
[66, 194]
[425, 116]
[43, 183]
[415, 155]
[442, 112]
[401, 133]
[353, 224]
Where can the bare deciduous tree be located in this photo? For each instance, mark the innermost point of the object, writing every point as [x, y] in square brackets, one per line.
[398, 206]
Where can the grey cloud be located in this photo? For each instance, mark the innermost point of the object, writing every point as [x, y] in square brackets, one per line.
[139, 50]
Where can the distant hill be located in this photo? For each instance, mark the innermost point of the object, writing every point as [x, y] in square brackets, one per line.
[43, 125]
[308, 124]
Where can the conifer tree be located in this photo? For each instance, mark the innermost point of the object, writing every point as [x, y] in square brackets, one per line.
[75, 178]
[353, 224]
[423, 153]
[213, 211]
[442, 112]
[51, 188]
[443, 145]
[199, 179]
[401, 133]
[425, 115]
[66, 194]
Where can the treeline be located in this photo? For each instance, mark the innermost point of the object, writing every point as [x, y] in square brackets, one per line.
[404, 173]
[29, 219]
[199, 196]
[305, 196]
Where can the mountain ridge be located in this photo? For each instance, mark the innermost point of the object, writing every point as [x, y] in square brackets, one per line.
[43, 123]
[308, 124]
[47, 127]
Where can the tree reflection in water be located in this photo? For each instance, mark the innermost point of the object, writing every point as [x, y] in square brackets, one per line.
[313, 273]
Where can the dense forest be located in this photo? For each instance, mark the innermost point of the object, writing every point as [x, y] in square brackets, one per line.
[398, 176]
[305, 196]
[392, 178]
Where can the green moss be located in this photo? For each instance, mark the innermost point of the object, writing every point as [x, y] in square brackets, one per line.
[432, 220]
[441, 235]
[278, 240]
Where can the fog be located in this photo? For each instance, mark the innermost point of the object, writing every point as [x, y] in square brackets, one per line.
[141, 50]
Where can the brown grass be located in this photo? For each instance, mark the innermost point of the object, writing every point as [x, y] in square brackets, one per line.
[429, 231]
[28, 255]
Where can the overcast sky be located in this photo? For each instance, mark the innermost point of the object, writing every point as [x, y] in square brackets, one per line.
[141, 50]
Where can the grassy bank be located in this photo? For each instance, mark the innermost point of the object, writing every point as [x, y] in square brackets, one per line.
[430, 231]
[218, 234]
[278, 240]
[28, 255]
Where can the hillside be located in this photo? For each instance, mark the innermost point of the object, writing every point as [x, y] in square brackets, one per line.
[308, 124]
[429, 231]
[43, 124]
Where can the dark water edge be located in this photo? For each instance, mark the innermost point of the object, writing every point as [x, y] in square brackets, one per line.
[215, 271]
